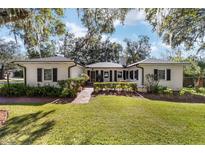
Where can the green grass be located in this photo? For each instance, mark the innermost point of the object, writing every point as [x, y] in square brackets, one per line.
[106, 120]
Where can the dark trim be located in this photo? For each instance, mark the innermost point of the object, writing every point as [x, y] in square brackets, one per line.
[55, 74]
[70, 68]
[142, 73]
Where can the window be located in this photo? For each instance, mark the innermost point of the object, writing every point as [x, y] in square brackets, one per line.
[119, 74]
[106, 74]
[161, 74]
[47, 74]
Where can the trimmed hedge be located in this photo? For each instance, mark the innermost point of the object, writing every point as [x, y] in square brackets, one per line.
[116, 86]
[19, 89]
[66, 88]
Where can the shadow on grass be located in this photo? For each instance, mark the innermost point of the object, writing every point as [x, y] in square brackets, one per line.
[26, 129]
[176, 98]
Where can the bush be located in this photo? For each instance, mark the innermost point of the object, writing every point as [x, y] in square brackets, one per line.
[162, 90]
[71, 86]
[19, 89]
[120, 86]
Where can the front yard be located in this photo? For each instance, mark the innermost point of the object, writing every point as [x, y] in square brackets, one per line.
[106, 120]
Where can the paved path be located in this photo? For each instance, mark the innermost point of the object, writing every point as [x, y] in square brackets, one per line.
[84, 96]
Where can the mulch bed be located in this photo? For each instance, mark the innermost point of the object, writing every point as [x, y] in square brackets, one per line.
[3, 116]
[162, 97]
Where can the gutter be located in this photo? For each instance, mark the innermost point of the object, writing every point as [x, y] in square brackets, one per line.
[142, 73]
[70, 68]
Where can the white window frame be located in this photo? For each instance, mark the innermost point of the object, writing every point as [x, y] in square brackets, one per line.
[51, 74]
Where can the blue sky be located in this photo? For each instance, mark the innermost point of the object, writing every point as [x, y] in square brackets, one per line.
[134, 26]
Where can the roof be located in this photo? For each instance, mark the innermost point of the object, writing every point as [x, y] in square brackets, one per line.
[48, 59]
[104, 65]
[156, 61]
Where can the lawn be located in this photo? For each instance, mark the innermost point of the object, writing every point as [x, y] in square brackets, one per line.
[106, 120]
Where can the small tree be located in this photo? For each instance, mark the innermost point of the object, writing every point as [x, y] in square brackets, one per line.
[152, 82]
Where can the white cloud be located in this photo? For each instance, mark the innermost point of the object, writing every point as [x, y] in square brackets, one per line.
[79, 31]
[132, 18]
[9, 38]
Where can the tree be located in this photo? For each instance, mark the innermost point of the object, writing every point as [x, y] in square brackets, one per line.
[95, 50]
[137, 50]
[37, 26]
[34, 26]
[179, 27]
[7, 53]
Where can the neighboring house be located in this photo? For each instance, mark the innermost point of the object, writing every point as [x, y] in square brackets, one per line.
[45, 71]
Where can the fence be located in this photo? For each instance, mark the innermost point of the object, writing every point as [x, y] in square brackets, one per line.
[189, 81]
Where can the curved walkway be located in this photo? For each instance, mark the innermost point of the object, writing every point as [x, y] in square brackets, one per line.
[84, 96]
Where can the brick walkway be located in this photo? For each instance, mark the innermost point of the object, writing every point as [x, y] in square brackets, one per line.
[84, 96]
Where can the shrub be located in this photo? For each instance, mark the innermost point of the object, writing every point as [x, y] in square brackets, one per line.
[71, 86]
[19, 89]
[162, 90]
[120, 86]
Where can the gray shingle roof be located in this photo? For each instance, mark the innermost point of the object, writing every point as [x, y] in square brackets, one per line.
[104, 65]
[48, 59]
[156, 61]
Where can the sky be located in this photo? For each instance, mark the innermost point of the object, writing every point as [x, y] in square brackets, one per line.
[134, 26]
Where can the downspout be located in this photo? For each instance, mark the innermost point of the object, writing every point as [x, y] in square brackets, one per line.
[142, 73]
[70, 68]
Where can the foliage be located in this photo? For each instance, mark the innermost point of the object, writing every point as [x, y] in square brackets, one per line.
[151, 82]
[22, 90]
[192, 91]
[158, 89]
[179, 27]
[119, 86]
[93, 50]
[71, 86]
[137, 50]
[36, 28]
[8, 51]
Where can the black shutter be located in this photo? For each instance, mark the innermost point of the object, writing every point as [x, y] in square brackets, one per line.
[168, 74]
[102, 73]
[136, 74]
[39, 74]
[55, 74]
[131, 74]
[155, 74]
[96, 76]
[124, 74]
[115, 76]
[68, 72]
[110, 75]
